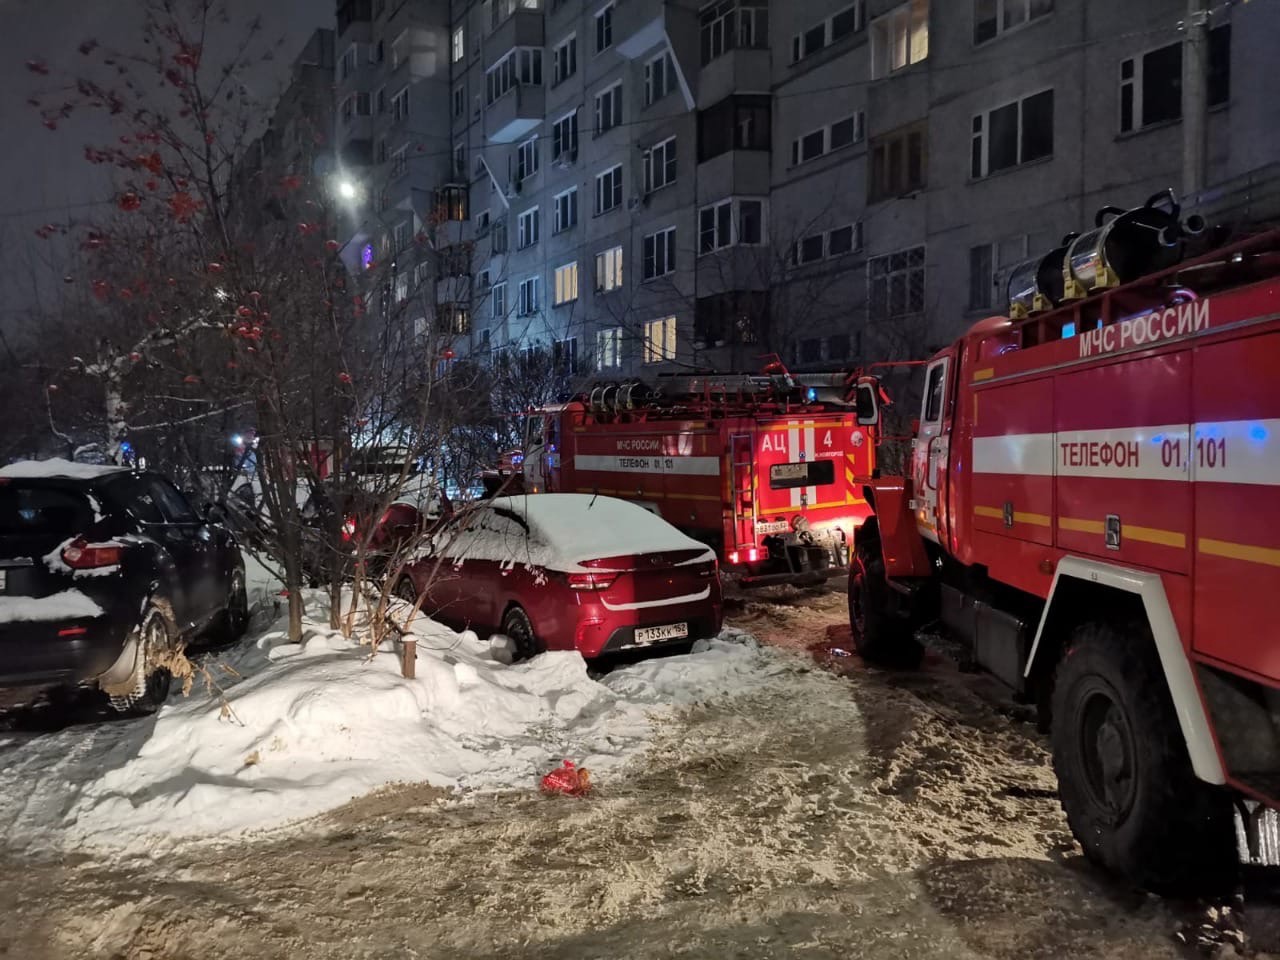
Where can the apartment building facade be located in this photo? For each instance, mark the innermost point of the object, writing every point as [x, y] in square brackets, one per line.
[638, 186]
[394, 152]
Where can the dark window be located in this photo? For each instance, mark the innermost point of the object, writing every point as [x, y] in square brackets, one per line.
[844, 23]
[736, 316]
[1037, 126]
[1162, 84]
[1220, 65]
[840, 241]
[935, 393]
[806, 473]
[980, 265]
[839, 347]
[842, 133]
[1003, 151]
[810, 352]
[172, 504]
[28, 510]
[897, 163]
[740, 122]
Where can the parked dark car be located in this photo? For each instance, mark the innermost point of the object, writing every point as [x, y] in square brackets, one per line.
[568, 571]
[103, 570]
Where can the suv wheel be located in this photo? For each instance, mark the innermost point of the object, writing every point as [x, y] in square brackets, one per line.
[148, 686]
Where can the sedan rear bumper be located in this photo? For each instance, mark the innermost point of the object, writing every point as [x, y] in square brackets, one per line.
[43, 655]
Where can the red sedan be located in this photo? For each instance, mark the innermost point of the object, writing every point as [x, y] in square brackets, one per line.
[568, 571]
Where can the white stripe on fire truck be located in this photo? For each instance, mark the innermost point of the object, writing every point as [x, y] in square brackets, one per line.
[1228, 451]
[793, 444]
[810, 451]
[684, 466]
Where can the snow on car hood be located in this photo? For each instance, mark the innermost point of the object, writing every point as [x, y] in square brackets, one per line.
[40, 469]
[568, 528]
[67, 605]
[563, 531]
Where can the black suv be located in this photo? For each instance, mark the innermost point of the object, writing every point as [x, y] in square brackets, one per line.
[103, 571]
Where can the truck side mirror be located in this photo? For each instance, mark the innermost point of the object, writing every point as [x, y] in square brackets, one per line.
[868, 405]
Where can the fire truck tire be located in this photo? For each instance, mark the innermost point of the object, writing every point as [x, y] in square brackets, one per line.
[1124, 777]
[881, 634]
[517, 626]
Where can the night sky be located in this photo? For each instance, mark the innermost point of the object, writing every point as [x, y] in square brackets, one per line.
[42, 172]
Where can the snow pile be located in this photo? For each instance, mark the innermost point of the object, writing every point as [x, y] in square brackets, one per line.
[65, 605]
[309, 726]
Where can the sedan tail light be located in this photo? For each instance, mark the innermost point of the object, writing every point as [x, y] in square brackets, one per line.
[590, 581]
[82, 555]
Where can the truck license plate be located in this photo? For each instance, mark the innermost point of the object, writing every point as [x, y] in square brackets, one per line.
[776, 526]
[672, 631]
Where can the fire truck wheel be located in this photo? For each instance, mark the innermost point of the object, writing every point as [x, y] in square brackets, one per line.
[516, 625]
[1124, 776]
[880, 634]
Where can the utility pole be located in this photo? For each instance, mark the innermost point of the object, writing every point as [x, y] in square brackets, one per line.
[1195, 98]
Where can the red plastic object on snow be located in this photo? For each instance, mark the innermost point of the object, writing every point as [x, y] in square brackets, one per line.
[567, 779]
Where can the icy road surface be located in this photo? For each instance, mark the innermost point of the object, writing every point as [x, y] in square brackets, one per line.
[821, 810]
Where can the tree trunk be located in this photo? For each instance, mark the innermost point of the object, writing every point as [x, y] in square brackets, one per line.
[117, 424]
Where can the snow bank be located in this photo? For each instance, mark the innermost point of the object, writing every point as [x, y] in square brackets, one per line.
[311, 725]
[65, 605]
[38, 469]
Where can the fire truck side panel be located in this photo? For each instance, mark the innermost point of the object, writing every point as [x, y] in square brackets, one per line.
[1122, 459]
[674, 466]
[1234, 457]
[1012, 474]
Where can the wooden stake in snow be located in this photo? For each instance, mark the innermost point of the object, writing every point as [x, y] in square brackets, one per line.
[408, 656]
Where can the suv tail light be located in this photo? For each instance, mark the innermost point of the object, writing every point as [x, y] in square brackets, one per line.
[590, 581]
[82, 555]
[349, 528]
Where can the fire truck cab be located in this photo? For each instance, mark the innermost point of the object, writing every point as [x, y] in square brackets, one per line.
[1093, 511]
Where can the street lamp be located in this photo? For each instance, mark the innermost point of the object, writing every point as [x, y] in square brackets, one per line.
[347, 189]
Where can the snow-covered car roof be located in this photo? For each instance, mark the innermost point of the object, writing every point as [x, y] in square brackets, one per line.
[580, 526]
[56, 467]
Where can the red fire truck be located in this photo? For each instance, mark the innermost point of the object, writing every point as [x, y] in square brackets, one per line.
[1093, 510]
[767, 470]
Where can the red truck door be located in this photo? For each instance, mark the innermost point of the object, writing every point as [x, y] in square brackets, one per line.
[929, 453]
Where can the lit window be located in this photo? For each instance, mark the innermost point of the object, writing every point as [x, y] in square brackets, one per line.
[660, 340]
[566, 283]
[459, 44]
[609, 269]
[900, 38]
[609, 347]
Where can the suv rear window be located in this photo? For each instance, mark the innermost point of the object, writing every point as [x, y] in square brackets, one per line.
[33, 510]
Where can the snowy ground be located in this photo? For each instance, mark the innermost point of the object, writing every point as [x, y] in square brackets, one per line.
[810, 808]
[294, 730]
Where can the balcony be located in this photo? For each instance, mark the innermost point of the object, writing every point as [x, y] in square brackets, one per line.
[642, 25]
[514, 114]
[737, 69]
[524, 28]
[743, 173]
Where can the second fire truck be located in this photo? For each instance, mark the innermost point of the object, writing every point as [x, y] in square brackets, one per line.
[1093, 509]
[766, 469]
